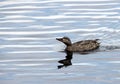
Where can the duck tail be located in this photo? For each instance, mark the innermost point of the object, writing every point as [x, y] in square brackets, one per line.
[97, 39]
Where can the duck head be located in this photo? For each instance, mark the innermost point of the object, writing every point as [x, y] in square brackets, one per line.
[65, 40]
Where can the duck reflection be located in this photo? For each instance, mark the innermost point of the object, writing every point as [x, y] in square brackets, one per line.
[67, 61]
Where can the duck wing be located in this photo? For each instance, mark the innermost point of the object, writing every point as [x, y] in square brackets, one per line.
[85, 45]
[85, 42]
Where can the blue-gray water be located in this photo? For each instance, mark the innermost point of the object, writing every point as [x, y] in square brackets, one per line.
[29, 53]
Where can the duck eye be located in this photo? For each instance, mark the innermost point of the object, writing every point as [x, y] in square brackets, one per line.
[64, 40]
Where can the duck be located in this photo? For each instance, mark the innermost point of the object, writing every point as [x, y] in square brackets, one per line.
[80, 46]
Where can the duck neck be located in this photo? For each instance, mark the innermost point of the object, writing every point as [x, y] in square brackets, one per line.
[68, 43]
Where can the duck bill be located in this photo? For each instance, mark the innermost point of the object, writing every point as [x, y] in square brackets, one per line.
[59, 39]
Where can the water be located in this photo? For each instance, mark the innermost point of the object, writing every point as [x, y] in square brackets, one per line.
[29, 53]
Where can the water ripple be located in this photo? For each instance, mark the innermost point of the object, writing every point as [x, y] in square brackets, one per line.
[60, 31]
[29, 60]
[28, 48]
[16, 46]
[85, 64]
[19, 52]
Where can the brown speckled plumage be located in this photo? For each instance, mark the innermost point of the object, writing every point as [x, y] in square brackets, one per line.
[81, 46]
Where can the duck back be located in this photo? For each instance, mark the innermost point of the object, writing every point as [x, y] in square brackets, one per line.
[86, 45]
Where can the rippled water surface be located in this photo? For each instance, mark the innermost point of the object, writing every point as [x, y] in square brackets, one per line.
[30, 54]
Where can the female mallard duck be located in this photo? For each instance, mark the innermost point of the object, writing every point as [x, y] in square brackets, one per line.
[80, 46]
